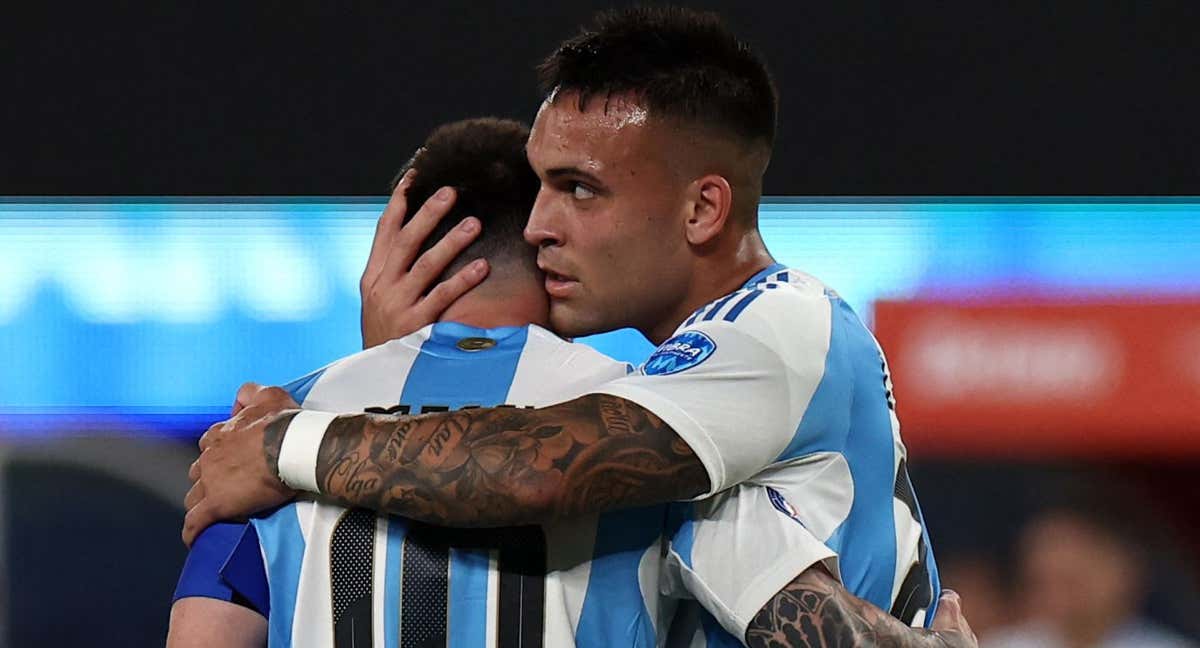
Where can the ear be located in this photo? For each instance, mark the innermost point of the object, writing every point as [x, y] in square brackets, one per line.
[712, 202]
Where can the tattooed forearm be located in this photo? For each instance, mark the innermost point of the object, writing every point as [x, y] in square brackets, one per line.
[814, 610]
[505, 466]
[273, 438]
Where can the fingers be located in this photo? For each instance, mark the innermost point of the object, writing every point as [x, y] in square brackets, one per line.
[206, 439]
[274, 398]
[430, 265]
[387, 228]
[950, 617]
[268, 398]
[198, 518]
[440, 298]
[194, 495]
[245, 396]
[407, 243]
[194, 471]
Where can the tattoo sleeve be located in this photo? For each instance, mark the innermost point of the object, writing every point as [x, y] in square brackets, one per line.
[506, 466]
[273, 439]
[815, 610]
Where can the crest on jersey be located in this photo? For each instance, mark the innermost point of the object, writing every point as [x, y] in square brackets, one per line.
[780, 503]
[681, 352]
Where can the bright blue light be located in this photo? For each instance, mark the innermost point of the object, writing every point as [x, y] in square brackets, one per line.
[169, 305]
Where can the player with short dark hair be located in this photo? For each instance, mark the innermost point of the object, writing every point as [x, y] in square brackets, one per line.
[679, 63]
[646, 217]
[483, 160]
[241, 579]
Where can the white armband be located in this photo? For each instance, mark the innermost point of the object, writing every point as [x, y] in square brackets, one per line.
[298, 454]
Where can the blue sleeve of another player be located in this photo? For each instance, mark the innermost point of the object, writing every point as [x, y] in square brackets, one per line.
[246, 574]
[225, 564]
[202, 572]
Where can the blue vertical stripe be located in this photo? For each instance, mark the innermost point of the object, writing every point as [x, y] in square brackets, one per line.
[468, 598]
[681, 529]
[396, 530]
[614, 612]
[446, 375]
[283, 546]
[741, 305]
[848, 413]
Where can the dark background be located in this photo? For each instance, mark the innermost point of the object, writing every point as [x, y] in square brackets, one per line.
[329, 98]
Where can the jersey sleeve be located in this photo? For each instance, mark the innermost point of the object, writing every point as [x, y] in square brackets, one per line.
[734, 383]
[225, 564]
[201, 575]
[735, 551]
[298, 389]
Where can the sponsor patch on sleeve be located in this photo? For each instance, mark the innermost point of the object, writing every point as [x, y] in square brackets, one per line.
[681, 352]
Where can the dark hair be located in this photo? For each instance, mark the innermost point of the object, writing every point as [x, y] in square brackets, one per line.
[681, 63]
[484, 160]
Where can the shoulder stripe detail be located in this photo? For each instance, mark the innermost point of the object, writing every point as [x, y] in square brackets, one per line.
[763, 274]
[782, 276]
[741, 305]
[712, 313]
[699, 311]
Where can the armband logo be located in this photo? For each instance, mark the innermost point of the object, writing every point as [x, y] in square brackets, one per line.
[681, 352]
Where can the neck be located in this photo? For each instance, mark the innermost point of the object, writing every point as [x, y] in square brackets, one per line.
[500, 302]
[716, 274]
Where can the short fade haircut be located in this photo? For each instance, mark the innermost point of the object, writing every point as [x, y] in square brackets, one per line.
[680, 63]
[484, 160]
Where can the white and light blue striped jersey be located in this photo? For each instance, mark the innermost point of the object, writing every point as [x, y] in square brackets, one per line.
[785, 397]
[341, 577]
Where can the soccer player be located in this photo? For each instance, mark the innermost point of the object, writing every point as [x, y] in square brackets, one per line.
[315, 573]
[651, 147]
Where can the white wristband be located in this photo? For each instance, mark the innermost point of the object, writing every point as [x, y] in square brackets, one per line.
[298, 454]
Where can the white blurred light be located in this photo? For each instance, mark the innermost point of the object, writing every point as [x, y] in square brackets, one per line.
[97, 269]
[182, 285]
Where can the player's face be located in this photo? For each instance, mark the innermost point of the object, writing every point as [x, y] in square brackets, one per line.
[609, 219]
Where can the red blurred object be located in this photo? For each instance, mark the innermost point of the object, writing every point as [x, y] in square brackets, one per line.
[1045, 379]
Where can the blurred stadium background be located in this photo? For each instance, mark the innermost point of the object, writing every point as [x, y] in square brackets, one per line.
[1046, 350]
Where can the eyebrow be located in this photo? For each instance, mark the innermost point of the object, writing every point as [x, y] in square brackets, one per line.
[574, 172]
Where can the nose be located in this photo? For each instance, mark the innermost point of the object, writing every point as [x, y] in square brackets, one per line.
[542, 229]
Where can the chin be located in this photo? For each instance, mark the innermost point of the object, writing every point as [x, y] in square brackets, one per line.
[569, 322]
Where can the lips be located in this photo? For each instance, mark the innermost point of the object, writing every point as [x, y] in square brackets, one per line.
[558, 285]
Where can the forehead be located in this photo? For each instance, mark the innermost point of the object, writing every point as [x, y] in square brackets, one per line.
[607, 130]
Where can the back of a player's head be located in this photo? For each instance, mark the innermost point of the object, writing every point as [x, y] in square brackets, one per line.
[680, 63]
[484, 160]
